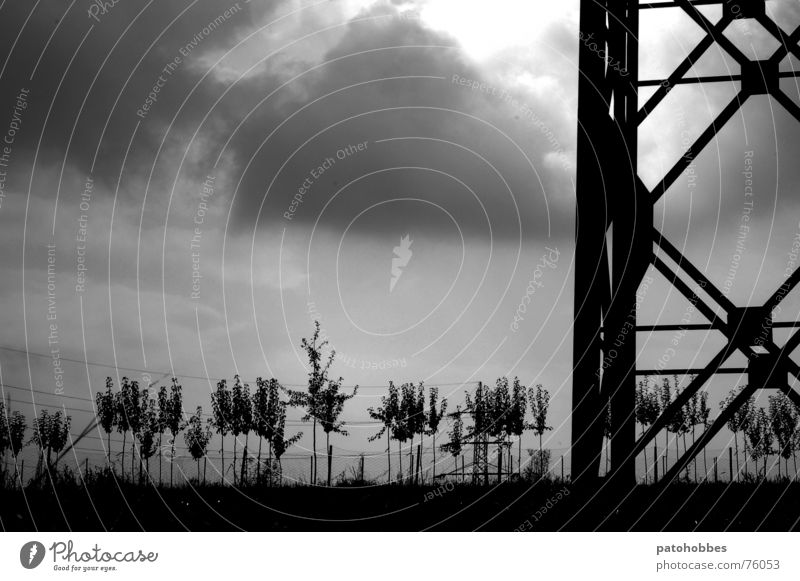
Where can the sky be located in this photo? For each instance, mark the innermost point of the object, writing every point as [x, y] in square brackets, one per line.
[204, 180]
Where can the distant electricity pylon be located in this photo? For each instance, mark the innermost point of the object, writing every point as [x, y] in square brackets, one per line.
[616, 241]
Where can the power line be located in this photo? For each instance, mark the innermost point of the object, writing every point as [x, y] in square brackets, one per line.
[199, 377]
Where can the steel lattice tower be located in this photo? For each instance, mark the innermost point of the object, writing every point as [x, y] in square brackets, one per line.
[616, 241]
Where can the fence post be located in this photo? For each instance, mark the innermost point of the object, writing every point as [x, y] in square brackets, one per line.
[716, 474]
[419, 464]
[655, 464]
[562, 468]
[730, 462]
[499, 467]
[330, 461]
[310, 471]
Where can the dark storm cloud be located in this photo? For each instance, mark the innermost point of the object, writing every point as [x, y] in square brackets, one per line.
[112, 50]
[389, 77]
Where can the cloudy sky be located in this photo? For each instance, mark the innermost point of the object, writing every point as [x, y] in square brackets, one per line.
[252, 166]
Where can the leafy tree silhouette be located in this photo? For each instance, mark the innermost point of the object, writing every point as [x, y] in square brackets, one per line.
[311, 400]
[50, 434]
[222, 410]
[759, 432]
[241, 422]
[147, 431]
[330, 406]
[516, 417]
[434, 418]
[783, 418]
[455, 445]
[539, 399]
[279, 442]
[388, 414]
[197, 436]
[17, 426]
[107, 414]
[265, 410]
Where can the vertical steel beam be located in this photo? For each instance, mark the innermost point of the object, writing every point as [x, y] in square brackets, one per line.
[591, 261]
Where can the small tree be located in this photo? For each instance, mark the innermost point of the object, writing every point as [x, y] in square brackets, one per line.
[647, 408]
[738, 422]
[540, 405]
[388, 414]
[759, 432]
[161, 427]
[704, 412]
[456, 443]
[173, 419]
[280, 443]
[480, 409]
[50, 434]
[331, 405]
[500, 411]
[222, 408]
[107, 414]
[17, 426]
[783, 419]
[266, 399]
[147, 432]
[317, 379]
[665, 399]
[418, 424]
[129, 408]
[241, 422]
[434, 418]
[516, 417]
[197, 436]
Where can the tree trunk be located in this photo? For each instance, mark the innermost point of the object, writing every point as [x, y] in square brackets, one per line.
[519, 456]
[541, 460]
[314, 443]
[243, 477]
[411, 461]
[205, 463]
[235, 437]
[420, 476]
[172, 464]
[160, 459]
[389, 455]
[222, 454]
[198, 471]
[433, 476]
[330, 453]
[258, 462]
[736, 445]
[108, 447]
[122, 464]
[400, 459]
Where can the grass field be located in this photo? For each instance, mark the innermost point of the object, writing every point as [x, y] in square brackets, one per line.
[545, 506]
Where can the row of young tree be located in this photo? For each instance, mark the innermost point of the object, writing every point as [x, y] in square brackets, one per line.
[497, 415]
[762, 428]
[150, 422]
[50, 436]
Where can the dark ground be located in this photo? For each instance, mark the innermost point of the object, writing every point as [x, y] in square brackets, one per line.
[509, 506]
